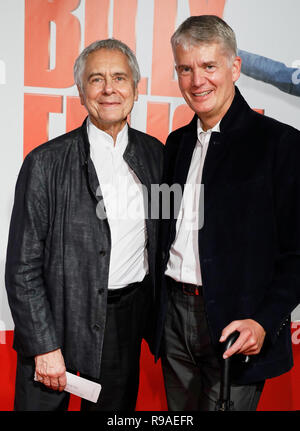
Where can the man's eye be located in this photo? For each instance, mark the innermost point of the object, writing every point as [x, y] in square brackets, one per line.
[210, 67]
[96, 80]
[119, 78]
[184, 70]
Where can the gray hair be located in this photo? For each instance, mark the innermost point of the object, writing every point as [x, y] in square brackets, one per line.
[205, 29]
[110, 44]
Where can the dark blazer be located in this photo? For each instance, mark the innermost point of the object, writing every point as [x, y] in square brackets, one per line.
[249, 245]
[59, 250]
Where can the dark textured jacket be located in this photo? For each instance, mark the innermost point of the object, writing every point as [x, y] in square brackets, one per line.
[59, 250]
[249, 245]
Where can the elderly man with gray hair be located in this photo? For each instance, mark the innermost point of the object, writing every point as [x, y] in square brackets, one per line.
[80, 260]
[241, 270]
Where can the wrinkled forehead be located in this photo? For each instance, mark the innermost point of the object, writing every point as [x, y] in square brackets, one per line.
[107, 56]
[108, 62]
[200, 47]
[204, 50]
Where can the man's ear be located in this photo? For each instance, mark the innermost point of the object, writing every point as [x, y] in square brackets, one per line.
[236, 68]
[81, 95]
[136, 93]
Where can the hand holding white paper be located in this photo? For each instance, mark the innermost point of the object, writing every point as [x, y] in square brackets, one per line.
[81, 387]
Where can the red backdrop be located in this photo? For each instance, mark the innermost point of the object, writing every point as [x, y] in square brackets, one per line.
[279, 394]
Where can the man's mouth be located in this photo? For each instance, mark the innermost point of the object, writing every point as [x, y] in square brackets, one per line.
[105, 103]
[203, 93]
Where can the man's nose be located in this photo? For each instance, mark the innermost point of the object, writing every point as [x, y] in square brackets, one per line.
[198, 78]
[108, 87]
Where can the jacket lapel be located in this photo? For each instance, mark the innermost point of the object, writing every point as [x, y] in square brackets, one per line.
[216, 152]
[220, 143]
[88, 166]
[133, 157]
[185, 153]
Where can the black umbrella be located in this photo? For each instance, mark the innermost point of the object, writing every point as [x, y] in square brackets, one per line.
[224, 403]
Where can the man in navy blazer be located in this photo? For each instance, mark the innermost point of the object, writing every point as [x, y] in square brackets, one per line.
[239, 270]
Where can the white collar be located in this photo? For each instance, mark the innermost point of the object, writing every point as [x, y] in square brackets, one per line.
[97, 136]
[200, 130]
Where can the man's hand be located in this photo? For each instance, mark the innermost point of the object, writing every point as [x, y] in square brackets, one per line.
[50, 370]
[250, 340]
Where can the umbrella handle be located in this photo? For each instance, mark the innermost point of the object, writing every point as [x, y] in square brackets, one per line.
[225, 380]
[224, 402]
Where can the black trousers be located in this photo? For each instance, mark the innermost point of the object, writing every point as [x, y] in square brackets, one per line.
[191, 366]
[129, 317]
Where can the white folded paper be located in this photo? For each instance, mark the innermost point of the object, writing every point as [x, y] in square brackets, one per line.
[81, 387]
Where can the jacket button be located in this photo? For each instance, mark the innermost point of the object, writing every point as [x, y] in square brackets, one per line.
[96, 327]
[102, 252]
[100, 291]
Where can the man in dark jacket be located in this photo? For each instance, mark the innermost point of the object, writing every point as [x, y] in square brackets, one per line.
[81, 252]
[241, 270]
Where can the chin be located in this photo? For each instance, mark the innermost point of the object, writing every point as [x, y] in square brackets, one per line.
[201, 111]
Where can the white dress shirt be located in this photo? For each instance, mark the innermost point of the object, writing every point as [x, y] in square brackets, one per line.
[123, 201]
[184, 262]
